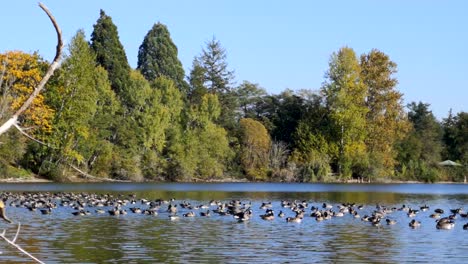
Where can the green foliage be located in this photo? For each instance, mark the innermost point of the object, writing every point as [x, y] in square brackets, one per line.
[312, 153]
[198, 147]
[157, 57]
[385, 119]
[455, 137]
[210, 74]
[109, 120]
[249, 96]
[256, 143]
[419, 152]
[110, 53]
[345, 95]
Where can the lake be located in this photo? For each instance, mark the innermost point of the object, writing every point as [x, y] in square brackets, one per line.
[61, 237]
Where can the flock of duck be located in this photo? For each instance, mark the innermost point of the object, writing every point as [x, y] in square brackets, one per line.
[82, 204]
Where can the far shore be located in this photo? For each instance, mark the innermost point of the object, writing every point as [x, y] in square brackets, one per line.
[227, 180]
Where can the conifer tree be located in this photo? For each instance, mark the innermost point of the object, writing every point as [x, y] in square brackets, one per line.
[157, 57]
[110, 53]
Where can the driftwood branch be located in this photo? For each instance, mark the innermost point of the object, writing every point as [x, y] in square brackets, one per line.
[14, 119]
[86, 175]
[50, 71]
[13, 243]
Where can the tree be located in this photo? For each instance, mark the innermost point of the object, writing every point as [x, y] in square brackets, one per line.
[157, 56]
[345, 96]
[110, 53]
[313, 149]
[455, 137]
[74, 101]
[255, 147]
[419, 152]
[385, 119]
[21, 73]
[192, 152]
[211, 72]
[249, 95]
[103, 126]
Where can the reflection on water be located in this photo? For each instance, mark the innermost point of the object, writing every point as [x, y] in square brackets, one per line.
[135, 238]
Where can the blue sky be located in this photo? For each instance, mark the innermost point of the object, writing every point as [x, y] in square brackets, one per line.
[278, 44]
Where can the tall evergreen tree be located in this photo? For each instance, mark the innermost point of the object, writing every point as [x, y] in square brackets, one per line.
[110, 53]
[157, 57]
[212, 69]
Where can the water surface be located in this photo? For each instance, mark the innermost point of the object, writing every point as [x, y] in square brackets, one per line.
[135, 238]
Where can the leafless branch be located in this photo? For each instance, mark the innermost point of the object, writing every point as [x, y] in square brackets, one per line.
[29, 136]
[13, 243]
[55, 63]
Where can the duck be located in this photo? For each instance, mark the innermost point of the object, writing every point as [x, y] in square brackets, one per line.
[414, 224]
[390, 221]
[465, 226]
[439, 211]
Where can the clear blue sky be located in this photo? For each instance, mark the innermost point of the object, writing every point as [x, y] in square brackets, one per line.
[278, 44]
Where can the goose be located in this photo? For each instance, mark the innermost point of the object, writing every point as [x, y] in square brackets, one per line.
[206, 214]
[281, 214]
[270, 215]
[189, 214]
[293, 219]
[445, 223]
[414, 224]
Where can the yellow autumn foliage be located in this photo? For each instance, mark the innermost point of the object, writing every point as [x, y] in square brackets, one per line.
[22, 73]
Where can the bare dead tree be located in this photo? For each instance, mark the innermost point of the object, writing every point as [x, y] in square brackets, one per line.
[13, 121]
[13, 243]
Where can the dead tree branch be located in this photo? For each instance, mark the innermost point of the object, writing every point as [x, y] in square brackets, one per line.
[13, 243]
[50, 71]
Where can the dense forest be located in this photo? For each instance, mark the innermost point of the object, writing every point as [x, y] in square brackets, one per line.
[157, 122]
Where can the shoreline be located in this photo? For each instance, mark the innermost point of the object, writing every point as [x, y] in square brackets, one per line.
[228, 180]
